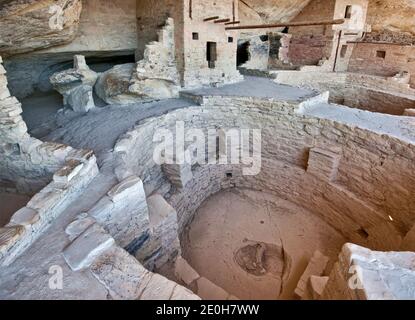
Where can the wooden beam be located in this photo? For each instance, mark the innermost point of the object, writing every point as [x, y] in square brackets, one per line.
[222, 20]
[211, 18]
[381, 43]
[232, 22]
[288, 24]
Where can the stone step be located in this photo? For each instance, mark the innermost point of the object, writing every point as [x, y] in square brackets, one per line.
[316, 267]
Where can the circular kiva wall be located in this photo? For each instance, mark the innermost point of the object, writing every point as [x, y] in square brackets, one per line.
[362, 183]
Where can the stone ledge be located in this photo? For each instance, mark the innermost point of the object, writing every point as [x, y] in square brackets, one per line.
[85, 249]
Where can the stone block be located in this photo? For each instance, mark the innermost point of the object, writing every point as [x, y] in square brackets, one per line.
[81, 99]
[124, 212]
[323, 164]
[374, 275]
[82, 252]
[317, 286]
[123, 276]
[124, 189]
[316, 267]
[25, 217]
[185, 272]
[158, 288]
[182, 294]
[179, 175]
[71, 169]
[81, 155]
[78, 226]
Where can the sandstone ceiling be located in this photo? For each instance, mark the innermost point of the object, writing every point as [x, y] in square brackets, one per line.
[25, 24]
[28, 25]
[392, 15]
[270, 10]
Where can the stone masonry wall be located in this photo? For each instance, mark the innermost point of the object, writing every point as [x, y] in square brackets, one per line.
[196, 71]
[359, 197]
[397, 58]
[372, 93]
[362, 274]
[30, 165]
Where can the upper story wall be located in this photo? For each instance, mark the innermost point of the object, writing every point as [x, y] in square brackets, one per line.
[383, 59]
[198, 33]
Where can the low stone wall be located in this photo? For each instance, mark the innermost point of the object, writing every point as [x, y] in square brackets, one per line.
[92, 249]
[30, 165]
[376, 94]
[30, 222]
[343, 173]
[362, 274]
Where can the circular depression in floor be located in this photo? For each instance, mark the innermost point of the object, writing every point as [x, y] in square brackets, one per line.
[255, 245]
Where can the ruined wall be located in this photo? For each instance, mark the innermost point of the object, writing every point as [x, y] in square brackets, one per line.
[196, 71]
[373, 275]
[309, 44]
[372, 93]
[151, 16]
[26, 164]
[367, 58]
[354, 188]
[58, 172]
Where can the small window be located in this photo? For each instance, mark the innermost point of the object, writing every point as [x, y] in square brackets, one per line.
[343, 51]
[348, 13]
[195, 36]
[264, 38]
[230, 39]
[381, 54]
[229, 175]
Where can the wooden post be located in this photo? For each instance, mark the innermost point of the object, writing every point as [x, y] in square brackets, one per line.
[222, 20]
[232, 22]
[211, 18]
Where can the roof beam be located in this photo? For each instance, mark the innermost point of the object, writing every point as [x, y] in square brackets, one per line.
[293, 24]
[222, 20]
[232, 22]
[211, 18]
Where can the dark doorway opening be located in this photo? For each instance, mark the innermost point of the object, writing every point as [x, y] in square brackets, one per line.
[243, 54]
[211, 54]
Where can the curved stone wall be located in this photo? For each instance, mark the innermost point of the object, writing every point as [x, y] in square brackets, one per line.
[346, 174]
[366, 92]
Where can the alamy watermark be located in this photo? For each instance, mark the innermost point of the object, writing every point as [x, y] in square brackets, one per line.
[56, 21]
[56, 278]
[212, 146]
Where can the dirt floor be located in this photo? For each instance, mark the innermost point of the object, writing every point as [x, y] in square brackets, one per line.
[231, 227]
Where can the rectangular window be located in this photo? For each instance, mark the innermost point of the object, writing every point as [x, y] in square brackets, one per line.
[348, 13]
[195, 36]
[230, 39]
[343, 51]
[381, 54]
[211, 54]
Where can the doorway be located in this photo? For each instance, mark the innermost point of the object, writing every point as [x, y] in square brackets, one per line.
[211, 54]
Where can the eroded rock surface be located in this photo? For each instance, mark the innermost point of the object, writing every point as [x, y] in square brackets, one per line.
[76, 85]
[30, 25]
